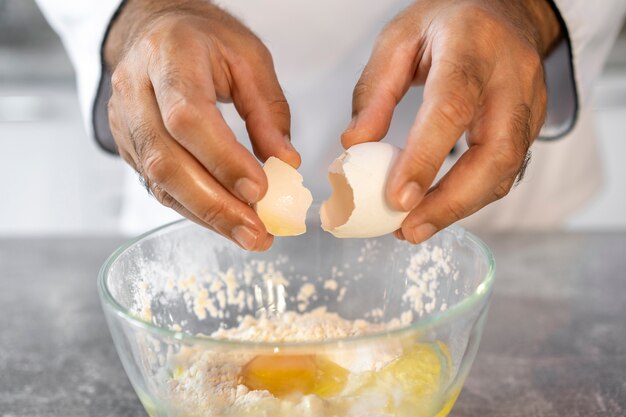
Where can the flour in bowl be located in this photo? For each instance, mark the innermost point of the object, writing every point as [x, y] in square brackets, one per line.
[211, 382]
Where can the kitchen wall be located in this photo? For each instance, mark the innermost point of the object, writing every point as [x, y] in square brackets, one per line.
[53, 179]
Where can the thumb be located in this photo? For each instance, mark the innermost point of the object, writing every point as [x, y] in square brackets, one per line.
[384, 81]
[260, 101]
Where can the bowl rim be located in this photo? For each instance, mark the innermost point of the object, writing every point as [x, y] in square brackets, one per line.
[483, 290]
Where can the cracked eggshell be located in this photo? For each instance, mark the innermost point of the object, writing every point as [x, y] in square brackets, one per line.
[358, 205]
[284, 206]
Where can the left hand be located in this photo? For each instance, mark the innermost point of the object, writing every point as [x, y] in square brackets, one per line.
[481, 63]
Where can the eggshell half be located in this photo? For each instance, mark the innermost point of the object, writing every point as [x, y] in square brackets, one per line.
[283, 208]
[358, 205]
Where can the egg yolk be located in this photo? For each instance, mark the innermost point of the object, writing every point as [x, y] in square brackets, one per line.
[283, 375]
[420, 373]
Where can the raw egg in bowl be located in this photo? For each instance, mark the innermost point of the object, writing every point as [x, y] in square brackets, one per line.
[316, 326]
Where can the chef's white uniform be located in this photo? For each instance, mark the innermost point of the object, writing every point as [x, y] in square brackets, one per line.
[319, 50]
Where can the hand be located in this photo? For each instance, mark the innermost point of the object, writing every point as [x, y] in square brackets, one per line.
[481, 62]
[171, 62]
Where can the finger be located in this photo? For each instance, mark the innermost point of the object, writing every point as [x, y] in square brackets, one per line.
[183, 85]
[485, 173]
[169, 201]
[260, 101]
[122, 137]
[120, 132]
[384, 81]
[399, 235]
[167, 166]
[452, 95]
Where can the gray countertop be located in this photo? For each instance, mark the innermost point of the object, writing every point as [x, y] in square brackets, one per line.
[554, 344]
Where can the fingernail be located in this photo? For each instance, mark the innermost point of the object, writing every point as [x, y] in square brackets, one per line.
[409, 196]
[423, 232]
[244, 236]
[267, 243]
[248, 190]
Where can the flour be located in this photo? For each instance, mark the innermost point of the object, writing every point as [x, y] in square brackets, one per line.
[425, 269]
[331, 285]
[266, 302]
[208, 382]
[305, 295]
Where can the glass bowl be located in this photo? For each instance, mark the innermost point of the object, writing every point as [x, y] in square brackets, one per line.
[316, 326]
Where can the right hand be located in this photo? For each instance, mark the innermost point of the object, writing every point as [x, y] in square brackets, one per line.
[171, 62]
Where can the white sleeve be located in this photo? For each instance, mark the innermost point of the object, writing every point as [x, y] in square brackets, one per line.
[82, 26]
[572, 68]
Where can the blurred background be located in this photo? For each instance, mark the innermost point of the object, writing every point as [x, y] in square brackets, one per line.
[55, 180]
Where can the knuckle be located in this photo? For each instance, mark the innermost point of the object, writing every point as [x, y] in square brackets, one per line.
[362, 89]
[279, 106]
[492, 26]
[467, 71]
[255, 54]
[506, 158]
[151, 42]
[159, 168]
[225, 167]
[403, 26]
[481, 21]
[455, 109]
[424, 163]
[263, 54]
[213, 214]
[501, 191]
[120, 82]
[163, 196]
[529, 65]
[392, 34]
[179, 116]
[530, 59]
[455, 209]
[155, 167]
[365, 89]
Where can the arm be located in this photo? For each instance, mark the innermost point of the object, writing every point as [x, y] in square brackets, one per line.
[481, 63]
[170, 63]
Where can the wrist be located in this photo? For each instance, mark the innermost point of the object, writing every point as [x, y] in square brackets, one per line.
[544, 18]
[136, 16]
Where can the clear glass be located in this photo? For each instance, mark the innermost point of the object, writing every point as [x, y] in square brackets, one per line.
[166, 292]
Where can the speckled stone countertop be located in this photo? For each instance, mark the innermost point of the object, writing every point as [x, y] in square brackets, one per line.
[554, 344]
